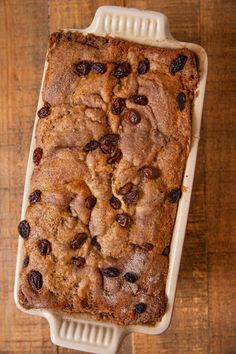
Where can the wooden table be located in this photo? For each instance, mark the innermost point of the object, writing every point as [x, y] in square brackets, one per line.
[204, 319]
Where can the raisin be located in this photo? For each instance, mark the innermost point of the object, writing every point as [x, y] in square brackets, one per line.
[44, 247]
[37, 155]
[78, 261]
[35, 196]
[126, 188]
[78, 241]
[108, 147]
[174, 195]
[178, 63]
[124, 220]
[90, 202]
[132, 116]
[131, 197]
[118, 105]
[92, 145]
[130, 277]
[115, 158]
[24, 229]
[147, 246]
[181, 100]
[26, 261]
[110, 272]
[99, 68]
[44, 111]
[166, 251]
[35, 280]
[150, 172]
[122, 70]
[115, 202]
[143, 66]
[95, 243]
[140, 308]
[109, 138]
[82, 68]
[139, 99]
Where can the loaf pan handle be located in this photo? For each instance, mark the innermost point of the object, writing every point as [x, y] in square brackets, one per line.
[130, 23]
[84, 335]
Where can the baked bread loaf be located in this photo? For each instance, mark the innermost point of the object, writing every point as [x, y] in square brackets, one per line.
[112, 141]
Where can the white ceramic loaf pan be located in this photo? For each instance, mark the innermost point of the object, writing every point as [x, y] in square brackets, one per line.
[79, 331]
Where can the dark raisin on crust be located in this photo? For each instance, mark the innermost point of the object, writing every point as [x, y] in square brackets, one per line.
[140, 308]
[90, 202]
[150, 172]
[132, 116]
[115, 158]
[143, 66]
[181, 100]
[44, 111]
[110, 272]
[131, 197]
[166, 251]
[124, 220]
[99, 68]
[178, 63]
[139, 99]
[24, 229]
[147, 246]
[37, 155]
[126, 188]
[91, 145]
[78, 261]
[78, 241]
[174, 195]
[115, 202]
[35, 197]
[26, 261]
[35, 280]
[117, 106]
[130, 277]
[95, 243]
[122, 70]
[108, 147]
[82, 68]
[44, 247]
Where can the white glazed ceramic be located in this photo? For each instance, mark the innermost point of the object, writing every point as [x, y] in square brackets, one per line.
[79, 331]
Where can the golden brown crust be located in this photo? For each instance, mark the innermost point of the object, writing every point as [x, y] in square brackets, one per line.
[77, 185]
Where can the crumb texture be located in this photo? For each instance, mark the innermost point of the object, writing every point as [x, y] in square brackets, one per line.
[112, 141]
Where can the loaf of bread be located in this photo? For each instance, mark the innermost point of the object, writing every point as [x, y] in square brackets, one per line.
[112, 141]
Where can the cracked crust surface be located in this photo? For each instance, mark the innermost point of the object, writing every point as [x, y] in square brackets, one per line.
[81, 111]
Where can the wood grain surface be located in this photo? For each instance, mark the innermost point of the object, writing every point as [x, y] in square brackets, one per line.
[204, 319]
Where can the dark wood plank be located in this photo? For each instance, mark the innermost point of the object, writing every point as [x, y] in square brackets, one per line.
[221, 216]
[218, 30]
[222, 290]
[220, 147]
